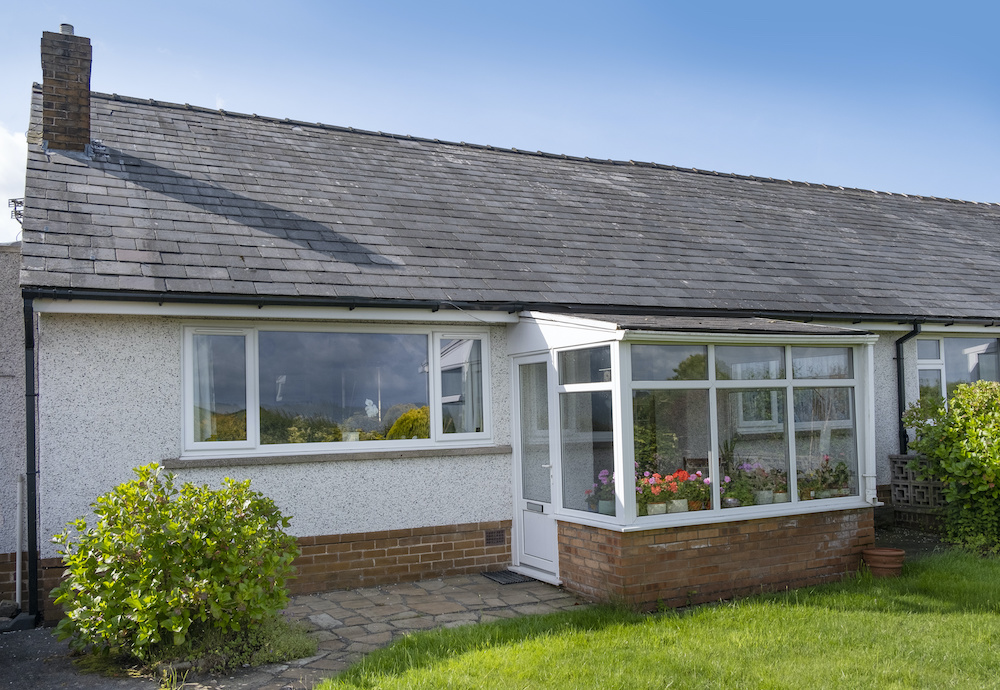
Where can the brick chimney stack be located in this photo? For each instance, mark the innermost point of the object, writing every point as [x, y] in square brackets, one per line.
[66, 89]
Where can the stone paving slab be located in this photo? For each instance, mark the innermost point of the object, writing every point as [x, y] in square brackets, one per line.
[347, 624]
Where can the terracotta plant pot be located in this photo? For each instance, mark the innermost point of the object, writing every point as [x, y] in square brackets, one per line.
[884, 562]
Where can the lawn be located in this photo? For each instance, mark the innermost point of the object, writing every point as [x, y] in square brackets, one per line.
[935, 627]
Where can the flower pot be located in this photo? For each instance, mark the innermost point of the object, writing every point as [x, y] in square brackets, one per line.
[730, 503]
[781, 497]
[678, 505]
[884, 562]
[824, 493]
[695, 505]
[606, 507]
[763, 497]
[656, 508]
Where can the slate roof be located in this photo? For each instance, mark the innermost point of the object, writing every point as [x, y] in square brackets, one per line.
[184, 202]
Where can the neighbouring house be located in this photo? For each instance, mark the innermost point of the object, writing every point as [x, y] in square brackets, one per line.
[449, 358]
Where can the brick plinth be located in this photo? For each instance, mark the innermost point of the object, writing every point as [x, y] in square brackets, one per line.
[8, 580]
[679, 566]
[364, 559]
[337, 561]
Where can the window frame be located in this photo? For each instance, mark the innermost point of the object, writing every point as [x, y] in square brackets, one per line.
[253, 447]
[940, 364]
[861, 382]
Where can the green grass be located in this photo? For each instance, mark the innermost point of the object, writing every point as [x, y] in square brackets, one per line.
[935, 627]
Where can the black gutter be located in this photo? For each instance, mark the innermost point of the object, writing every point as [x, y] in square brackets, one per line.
[436, 305]
[31, 453]
[904, 439]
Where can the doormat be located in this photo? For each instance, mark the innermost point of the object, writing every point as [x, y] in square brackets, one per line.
[506, 577]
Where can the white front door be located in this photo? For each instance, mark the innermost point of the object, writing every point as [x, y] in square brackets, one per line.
[535, 537]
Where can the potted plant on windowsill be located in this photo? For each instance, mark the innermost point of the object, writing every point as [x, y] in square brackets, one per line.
[603, 493]
[736, 492]
[650, 494]
[780, 479]
[697, 490]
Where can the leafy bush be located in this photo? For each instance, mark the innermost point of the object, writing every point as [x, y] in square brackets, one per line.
[165, 565]
[960, 444]
[412, 424]
[277, 426]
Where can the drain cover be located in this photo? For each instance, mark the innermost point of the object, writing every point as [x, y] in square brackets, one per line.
[506, 577]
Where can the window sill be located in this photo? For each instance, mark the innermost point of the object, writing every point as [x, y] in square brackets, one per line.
[257, 460]
[710, 517]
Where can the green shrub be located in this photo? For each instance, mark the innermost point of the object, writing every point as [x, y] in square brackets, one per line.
[412, 424]
[164, 566]
[960, 444]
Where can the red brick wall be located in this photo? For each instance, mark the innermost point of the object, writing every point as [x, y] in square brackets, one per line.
[678, 566]
[340, 561]
[8, 583]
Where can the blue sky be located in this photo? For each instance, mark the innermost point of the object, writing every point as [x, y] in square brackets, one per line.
[893, 96]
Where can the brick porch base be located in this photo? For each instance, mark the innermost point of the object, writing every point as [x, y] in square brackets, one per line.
[680, 566]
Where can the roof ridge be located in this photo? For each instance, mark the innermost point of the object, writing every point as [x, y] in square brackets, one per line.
[538, 154]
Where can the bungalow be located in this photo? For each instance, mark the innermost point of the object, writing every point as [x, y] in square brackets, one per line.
[448, 358]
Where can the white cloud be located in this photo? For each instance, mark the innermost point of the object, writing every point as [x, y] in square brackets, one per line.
[219, 103]
[13, 157]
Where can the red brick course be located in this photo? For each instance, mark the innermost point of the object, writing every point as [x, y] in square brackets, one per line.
[8, 581]
[678, 566]
[363, 559]
[339, 561]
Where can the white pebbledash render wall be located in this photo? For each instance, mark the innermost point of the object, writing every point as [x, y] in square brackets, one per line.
[12, 446]
[112, 401]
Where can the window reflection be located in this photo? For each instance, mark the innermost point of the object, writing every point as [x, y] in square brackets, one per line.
[328, 387]
[462, 386]
[220, 388]
[749, 362]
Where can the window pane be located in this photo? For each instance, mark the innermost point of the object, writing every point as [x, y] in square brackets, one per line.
[672, 440]
[462, 386]
[220, 388]
[929, 349]
[669, 362]
[822, 363]
[534, 408]
[326, 387]
[585, 366]
[751, 363]
[753, 447]
[970, 359]
[930, 384]
[825, 443]
[587, 451]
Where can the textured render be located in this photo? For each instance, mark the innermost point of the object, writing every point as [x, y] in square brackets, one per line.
[112, 401]
[12, 446]
[886, 404]
[188, 200]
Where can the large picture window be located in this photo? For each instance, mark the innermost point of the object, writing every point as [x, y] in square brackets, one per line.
[274, 388]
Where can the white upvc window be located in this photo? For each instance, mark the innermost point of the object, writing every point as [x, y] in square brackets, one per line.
[945, 362]
[755, 425]
[289, 388]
